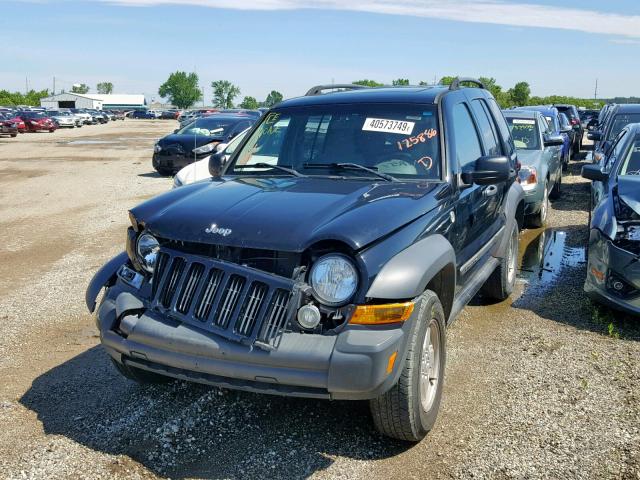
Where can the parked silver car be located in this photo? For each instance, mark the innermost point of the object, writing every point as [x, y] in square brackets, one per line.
[63, 119]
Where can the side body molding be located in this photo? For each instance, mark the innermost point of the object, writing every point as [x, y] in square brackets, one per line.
[103, 277]
[407, 274]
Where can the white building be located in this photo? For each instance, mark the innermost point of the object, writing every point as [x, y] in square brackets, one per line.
[94, 101]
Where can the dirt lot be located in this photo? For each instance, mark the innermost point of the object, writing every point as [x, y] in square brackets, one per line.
[540, 386]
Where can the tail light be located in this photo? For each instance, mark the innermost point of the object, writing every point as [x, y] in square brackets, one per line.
[574, 121]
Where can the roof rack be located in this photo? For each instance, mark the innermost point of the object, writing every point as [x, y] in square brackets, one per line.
[318, 89]
[455, 85]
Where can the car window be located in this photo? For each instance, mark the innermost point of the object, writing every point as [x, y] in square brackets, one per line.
[467, 143]
[544, 125]
[614, 151]
[503, 128]
[525, 133]
[402, 140]
[487, 129]
[631, 164]
[620, 121]
[564, 121]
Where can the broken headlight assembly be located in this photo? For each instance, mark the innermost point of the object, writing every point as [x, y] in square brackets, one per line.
[147, 247]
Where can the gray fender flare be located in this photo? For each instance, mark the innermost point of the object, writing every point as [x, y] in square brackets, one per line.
[102, 278]
[408, 273]
[515, 196]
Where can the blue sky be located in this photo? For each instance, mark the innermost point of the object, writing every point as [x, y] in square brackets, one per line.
[288, 45]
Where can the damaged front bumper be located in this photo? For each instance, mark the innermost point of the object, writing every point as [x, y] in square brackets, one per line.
[613, 274]
[354, 364]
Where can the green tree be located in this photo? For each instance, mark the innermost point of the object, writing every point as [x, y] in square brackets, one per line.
[400, 81]
[447, 80]
[520, 93]
[105, 88]
[81, 89]
[273, 98]
[224, 93]
[181, 89]
[32, 97]
[249, 103]
[368, 83]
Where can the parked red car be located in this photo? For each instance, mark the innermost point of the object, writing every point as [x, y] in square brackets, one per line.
[13, 118]
[7, 126]
[35, 121]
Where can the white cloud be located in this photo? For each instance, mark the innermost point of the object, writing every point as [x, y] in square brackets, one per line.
[477, 11]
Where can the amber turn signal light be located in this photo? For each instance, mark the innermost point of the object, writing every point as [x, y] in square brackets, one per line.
[381, 314]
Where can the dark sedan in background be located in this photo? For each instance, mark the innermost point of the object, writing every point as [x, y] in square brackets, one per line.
[197, 140]
[613, 269]
[574, 119]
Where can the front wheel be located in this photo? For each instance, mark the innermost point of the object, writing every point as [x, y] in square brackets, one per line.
[503, 279]
[556, 192]
[408, 411]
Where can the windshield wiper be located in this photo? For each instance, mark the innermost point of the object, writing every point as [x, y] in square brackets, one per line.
[290, 171]
[352, 166]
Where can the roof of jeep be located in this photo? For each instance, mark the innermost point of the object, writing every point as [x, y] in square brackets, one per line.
[628, 108]
[521, 113]
[422, 94]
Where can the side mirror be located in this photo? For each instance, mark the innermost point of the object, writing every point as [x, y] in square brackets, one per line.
[595, 135]
[553, 140]
[489, 171]
[216, 162]
[594, 172]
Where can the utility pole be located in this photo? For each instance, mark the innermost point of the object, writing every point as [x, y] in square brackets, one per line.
[54, 85]
[26, 85]
[595, 94]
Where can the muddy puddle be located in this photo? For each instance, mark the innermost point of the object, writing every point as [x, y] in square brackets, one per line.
[545, 255]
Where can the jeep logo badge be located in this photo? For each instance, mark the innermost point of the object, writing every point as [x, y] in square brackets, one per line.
[216, 230]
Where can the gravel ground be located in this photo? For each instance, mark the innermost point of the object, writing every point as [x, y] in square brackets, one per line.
[541, 386]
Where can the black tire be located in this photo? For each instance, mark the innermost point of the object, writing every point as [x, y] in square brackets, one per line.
[14, 135]
[537, 220]
[503, 279]
[141, 376]
[399, 413]
[165, 172]
[556, 192]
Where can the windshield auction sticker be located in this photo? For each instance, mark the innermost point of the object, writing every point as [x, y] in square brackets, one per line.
[391, 126]
[522, 121]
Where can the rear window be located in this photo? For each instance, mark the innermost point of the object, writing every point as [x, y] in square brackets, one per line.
[402, 140]
[524, 132]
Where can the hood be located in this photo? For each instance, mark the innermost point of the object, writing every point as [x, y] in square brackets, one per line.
[187, 142]
[287, 214]
[530, 158]
[629, 191]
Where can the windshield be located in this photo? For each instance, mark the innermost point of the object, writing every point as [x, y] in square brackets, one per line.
[631, 164]
[33, 115]
[525, 133]
[621, 121]
[208, 127]
[395, 139]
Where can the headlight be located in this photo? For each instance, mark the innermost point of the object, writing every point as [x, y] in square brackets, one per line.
[209, 147]
[177, 182]
[528, 177]
[147, 250]
[157, 148]
[334, 279]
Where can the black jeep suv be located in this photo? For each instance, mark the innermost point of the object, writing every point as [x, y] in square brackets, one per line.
[328, 256]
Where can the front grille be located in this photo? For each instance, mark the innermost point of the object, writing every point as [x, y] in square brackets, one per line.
[237, 302]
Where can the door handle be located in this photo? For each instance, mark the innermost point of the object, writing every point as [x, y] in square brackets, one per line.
[490, 191]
